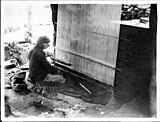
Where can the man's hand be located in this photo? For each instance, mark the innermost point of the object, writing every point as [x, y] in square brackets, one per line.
[48, 54]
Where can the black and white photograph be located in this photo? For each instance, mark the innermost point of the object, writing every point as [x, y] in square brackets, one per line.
[77, 60]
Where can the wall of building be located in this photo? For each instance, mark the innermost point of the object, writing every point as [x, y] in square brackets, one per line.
[137, 60]
[134, 60]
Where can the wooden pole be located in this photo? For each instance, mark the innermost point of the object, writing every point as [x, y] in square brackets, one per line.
[29, 17]
[89, 58]
[85, 88]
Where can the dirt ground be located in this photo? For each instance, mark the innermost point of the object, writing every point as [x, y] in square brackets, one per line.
[123, 104]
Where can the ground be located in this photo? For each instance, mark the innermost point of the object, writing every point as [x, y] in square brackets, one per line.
[65, 106]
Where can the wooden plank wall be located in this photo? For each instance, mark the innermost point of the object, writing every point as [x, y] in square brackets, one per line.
[87, 37]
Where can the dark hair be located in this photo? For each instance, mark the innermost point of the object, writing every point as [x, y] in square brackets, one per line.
[40, 41]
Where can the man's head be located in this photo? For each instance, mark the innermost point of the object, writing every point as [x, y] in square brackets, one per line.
[43, 42]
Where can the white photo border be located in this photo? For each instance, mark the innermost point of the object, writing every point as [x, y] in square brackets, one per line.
[81, 2]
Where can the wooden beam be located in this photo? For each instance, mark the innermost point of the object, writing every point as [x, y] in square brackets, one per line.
[89, 58]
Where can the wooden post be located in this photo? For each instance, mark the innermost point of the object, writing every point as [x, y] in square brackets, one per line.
[29, 18]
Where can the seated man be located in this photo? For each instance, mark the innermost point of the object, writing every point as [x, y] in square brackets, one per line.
[40, 70]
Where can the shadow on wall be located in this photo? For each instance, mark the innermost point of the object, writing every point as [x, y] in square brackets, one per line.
[136, 59]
